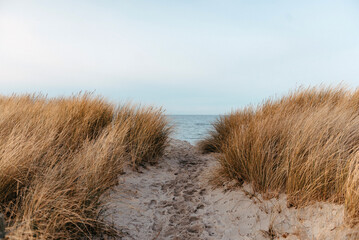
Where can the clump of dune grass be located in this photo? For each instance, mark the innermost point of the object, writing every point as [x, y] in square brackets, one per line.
[300, 99]
[60, 155]
[148, 133]
[222, 129]
[304, 144]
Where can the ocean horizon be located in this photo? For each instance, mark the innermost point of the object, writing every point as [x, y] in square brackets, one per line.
[191, 128]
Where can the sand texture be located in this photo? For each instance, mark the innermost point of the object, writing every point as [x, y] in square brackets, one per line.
[173, 200]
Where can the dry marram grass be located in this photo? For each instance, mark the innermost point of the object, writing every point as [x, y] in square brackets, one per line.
[60, 155]
[305, 144]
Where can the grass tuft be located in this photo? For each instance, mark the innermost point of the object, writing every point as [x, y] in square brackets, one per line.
[59, 155]
[305, 144]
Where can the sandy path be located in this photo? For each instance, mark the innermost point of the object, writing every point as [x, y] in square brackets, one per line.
[173, 200]
[165, 201]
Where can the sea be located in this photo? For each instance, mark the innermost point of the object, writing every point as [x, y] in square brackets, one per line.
[191, 128]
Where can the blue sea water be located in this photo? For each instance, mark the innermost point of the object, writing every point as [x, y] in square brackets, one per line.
[191, 128]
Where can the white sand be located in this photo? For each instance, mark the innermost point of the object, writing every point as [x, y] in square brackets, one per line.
[173, 200]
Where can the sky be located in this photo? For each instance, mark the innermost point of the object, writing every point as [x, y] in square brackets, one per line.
[190, 57]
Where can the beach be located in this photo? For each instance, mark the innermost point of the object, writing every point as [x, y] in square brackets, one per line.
[175, 200]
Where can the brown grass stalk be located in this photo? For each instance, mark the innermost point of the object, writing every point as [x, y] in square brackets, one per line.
[305, 144]
[58, 156]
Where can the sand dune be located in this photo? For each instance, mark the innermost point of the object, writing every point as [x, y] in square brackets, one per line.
[173, 200]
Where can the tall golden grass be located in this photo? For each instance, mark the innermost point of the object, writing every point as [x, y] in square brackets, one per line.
[58, 156]
[305, 144]
[222, 128]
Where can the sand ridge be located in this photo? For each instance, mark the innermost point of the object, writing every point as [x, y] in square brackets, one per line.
[173, 200]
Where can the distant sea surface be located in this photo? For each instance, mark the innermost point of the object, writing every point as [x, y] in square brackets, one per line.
[191, 128]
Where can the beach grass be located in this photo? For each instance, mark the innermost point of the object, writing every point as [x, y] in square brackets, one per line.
[305, 144]
[59, 155]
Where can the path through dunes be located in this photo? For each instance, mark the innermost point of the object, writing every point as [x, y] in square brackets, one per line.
[173, 200]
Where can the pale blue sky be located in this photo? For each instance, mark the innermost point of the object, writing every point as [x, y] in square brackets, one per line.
[191, 57]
